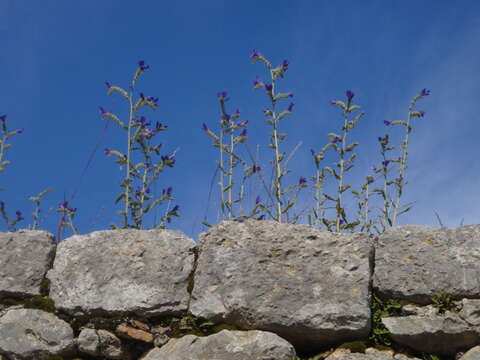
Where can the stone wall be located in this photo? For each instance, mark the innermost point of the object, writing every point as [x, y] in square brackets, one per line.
[247, 290]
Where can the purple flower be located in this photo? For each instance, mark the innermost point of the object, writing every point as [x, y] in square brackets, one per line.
[143, 121]
[204, 127]
[333, 102]
[3, 117]
[386, 122]
[169, 158]
[257, 200]
[290, 107]
[421, 113]
[19, 131]
[142, 65]
[19, 215]
[147, 191]
[149, 133]
[244, 132]
[142, 96]
[242, 123]
[102, 110]
[257, 83]
[341, 221]
[302, 181]
[267, 112]
[256, 168]
[385, 163]
[152, 99]
[2, 205]
[159, 126]
[225, 117]
[335, 140]
[108, 85]
[285, 64]
[290, 94]
[399, 179]
[64, 206]
[107, 151]
[425, 92]
[175, 209]
[169, 191]
[222, 95]
[268, 87]
[313, 152]
[255, 55]
[350, 95]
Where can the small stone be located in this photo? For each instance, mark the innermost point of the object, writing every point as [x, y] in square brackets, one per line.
[128, 332]
[160, 340]
[140, 325]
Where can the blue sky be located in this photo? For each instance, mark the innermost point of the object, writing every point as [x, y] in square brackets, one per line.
[56, 56]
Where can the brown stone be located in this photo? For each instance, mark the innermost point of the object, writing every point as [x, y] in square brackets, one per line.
[160, 330]
[128, 332]
[140, 325]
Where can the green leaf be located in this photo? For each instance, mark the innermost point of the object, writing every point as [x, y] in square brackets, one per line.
[351, 146]
[118, 89]
[115, 119]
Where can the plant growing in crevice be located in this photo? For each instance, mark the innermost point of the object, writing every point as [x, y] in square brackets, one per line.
[443, 302]
[364, 210]
[4, 146]
[343, 149]
[318, 211]
[231, 134]
[379, 334]
[282, 203]
[36, 212]
[141, 168]
[400, 182]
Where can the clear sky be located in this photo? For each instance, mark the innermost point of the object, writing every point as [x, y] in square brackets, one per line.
[57, 54]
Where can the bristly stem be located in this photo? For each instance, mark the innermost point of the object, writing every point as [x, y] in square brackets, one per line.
[127, 166]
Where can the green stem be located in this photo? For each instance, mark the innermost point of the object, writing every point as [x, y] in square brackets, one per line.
[127, 178]
[403, 164]
[340, 182]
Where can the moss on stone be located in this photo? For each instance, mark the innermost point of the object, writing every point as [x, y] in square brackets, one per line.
[354, 346]
[45, 287]
[41, 303]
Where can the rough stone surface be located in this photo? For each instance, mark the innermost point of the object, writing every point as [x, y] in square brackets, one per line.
[370, 354]
[117, 271]
[418, 262]
[225, 345]
[26, 256]
[101, 343]
[440, 334]
[307, 285]
[27, 334]
[472, 354]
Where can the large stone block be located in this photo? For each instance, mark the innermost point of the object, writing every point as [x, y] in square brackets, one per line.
[25, 257]
[417, 262]
[27, 334]
[309, 286]
[225, 345]
[120, 271]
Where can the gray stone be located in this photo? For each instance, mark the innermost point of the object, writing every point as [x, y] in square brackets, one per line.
[418, 262]
[26, 256]
[472, 354]
[370, 354]
[225, 345]
[440, 334]
[471, 312]
[118, 271]
[101, 343]
[27, 334]
[307, 285]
